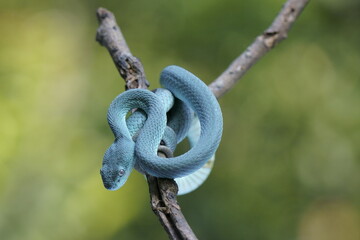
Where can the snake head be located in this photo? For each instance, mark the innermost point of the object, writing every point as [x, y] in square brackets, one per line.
[118, 163]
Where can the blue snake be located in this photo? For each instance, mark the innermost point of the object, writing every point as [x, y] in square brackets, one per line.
[163, 117]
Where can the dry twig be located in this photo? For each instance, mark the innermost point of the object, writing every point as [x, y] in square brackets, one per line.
[109, 35]
[277, 32]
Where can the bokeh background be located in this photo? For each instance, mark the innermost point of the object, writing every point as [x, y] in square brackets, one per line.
[288, 165]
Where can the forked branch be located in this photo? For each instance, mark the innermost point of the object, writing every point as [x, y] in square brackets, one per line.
[163, 191]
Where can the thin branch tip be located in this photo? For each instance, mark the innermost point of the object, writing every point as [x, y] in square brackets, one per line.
[271, 37]
[103, 13]
[110, 36]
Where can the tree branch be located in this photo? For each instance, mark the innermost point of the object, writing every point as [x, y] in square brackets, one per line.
[163, 192]
[109, 35]
[164, 204]
[277, 32]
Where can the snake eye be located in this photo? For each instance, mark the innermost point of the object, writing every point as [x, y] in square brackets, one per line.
[121, 172]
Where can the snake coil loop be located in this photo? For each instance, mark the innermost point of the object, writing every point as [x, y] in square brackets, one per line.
[166, 116]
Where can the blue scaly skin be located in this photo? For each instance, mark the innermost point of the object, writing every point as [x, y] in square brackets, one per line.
[125, 153]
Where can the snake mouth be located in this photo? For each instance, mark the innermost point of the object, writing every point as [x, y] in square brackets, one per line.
[110, 187]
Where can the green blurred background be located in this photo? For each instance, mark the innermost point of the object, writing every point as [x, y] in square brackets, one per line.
[287, 167]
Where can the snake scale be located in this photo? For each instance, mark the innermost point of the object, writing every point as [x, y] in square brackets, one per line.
[164, 117]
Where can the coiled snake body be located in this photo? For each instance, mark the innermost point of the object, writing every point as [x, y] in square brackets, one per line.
[137, 138]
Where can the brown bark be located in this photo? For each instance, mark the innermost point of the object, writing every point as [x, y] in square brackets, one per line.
[272, 36]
